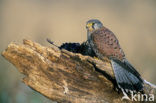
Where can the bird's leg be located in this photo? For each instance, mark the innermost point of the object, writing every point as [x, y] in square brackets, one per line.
[96, 58]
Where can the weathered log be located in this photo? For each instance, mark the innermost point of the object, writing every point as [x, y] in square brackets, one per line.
[64, 76]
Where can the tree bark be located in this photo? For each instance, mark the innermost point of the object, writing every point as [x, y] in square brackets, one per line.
[64, 76]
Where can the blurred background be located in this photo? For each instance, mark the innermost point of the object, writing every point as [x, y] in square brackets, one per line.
[133, 22]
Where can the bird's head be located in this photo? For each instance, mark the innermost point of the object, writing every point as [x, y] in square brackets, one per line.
[93, 24]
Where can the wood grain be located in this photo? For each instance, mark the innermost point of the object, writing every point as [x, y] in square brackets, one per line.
[63, 76]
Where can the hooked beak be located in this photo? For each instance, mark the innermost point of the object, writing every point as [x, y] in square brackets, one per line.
[89, 26]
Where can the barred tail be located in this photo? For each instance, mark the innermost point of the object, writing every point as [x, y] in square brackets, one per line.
[127, 77]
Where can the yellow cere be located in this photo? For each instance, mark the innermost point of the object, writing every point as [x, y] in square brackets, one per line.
[89, 25]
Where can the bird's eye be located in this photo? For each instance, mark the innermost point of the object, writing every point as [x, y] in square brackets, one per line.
[93, 25]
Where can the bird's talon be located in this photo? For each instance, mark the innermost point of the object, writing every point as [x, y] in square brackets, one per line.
[96, 58]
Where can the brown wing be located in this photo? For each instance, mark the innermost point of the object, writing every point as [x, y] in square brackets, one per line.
[106, 43]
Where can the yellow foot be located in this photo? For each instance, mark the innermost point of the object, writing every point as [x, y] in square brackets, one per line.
[96, 58]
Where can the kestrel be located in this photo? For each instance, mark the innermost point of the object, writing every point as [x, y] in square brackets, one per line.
[105, 44]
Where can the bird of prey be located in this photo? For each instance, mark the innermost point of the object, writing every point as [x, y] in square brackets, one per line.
[105, 44]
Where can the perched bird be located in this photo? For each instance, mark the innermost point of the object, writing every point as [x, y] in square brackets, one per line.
[105, 44]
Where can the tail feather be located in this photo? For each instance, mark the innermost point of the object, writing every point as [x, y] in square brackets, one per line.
[126, 76]
[132, 69]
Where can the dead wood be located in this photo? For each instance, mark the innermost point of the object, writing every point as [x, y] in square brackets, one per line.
[64, 76]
